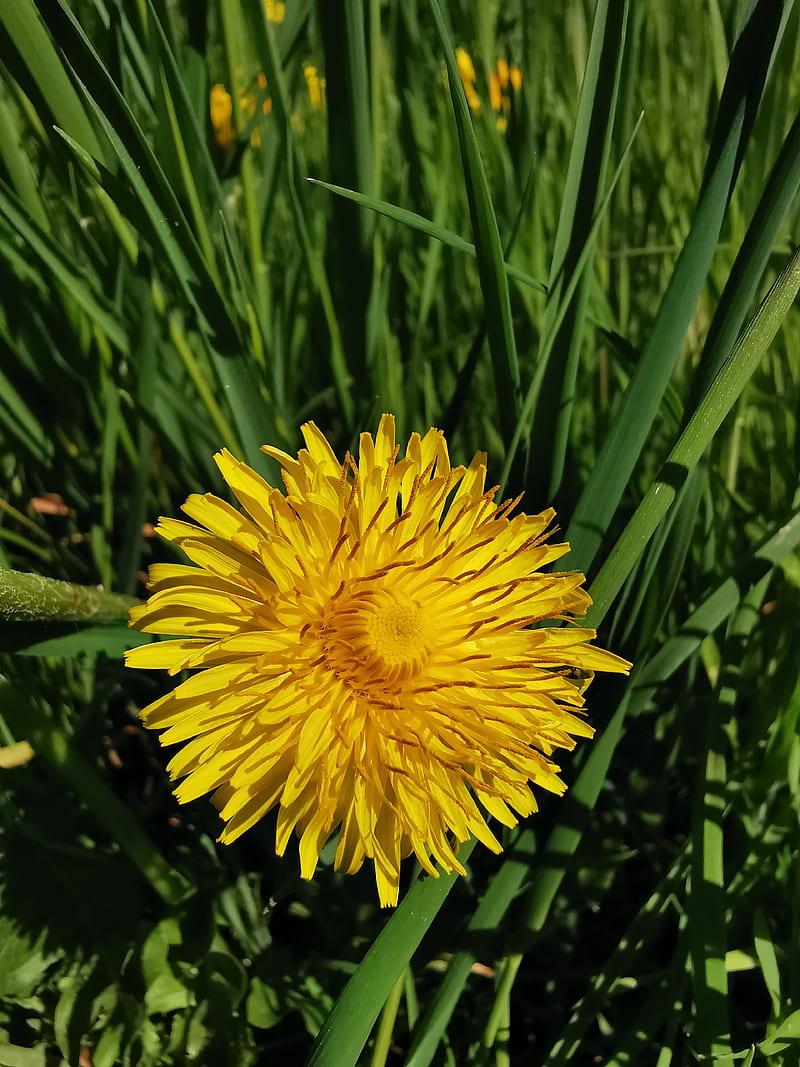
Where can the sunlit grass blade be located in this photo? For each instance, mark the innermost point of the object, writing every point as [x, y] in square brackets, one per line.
[743, 90]
[128, 562]
[488, 246]
[533, 391]
[345, 1032]
[582, 797]
[700, 429]
[267, 51]
[201, 186]
[156, 207]
[716, 607]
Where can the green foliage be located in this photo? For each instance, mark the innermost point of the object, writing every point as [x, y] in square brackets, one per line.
[574, 288]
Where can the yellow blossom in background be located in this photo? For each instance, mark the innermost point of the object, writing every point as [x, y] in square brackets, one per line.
[504, 79]
[220, 111]
[275, 10]
[364, 656]
[266, 105]
[467, 72]
[315, 86]
[495, 92]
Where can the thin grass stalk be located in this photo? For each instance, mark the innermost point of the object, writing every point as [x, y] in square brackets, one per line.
[589, 152]
[488, 247]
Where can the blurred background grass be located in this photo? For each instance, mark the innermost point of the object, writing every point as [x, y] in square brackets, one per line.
[550, 259]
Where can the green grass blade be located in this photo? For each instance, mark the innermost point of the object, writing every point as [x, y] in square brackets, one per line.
[591, 143]
[345, 1031]
[643, 930]
[489, 249]
[487, 916]
[57, 261]
[535, 388]
[634, 419]
[19, 167]
[154, 204]
[350, 155]
[40, 59]
[582, 797]
[779, 195]
[268, 54]
[700, 429]
[423, 225]
[78, 774]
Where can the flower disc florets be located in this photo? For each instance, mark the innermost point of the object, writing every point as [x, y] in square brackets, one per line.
[365, 654]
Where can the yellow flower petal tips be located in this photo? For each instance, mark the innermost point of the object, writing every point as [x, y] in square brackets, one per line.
[364, 654]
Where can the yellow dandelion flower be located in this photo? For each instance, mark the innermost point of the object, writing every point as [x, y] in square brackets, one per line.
[275, 11]
[503, 73]
[365, 655]
[220, 109]
[515, 77]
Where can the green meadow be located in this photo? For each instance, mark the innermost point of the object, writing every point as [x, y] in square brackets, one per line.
[564, 235]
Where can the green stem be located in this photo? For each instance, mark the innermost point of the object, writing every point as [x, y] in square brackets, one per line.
[500, 1015]
[383, 1039]
[32, 598]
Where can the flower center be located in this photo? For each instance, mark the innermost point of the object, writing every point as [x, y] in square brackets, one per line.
[376, 639]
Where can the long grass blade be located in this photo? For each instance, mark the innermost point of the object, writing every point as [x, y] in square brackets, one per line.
[744, 87]
[489, 249]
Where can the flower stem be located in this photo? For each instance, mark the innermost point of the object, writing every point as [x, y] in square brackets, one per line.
[383, 1039]
[32, 598]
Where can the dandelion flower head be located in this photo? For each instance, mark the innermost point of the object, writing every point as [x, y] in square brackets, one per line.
[369, 653]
